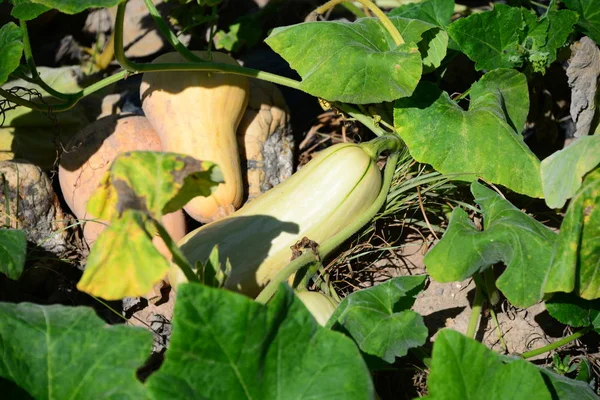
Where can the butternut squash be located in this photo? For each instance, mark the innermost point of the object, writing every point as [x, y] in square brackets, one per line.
[87, 157]
[318, 304]
[318, 201]
[265, 139]
[197, 113]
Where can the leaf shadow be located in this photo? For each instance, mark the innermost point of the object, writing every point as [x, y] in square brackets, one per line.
[246, 241]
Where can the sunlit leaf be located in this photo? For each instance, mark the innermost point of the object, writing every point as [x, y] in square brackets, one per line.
[30, 9]
[227, 346]
[58, 352]
[589, 16]
[508, 235]
[354, 62]
[576, 262]
[437, 12]
[574, 311]
[439, 132]
[123, 261]
[379, 318]
[563, 171]
[152, 182]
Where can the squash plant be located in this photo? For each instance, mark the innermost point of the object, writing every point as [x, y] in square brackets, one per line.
[384, 71]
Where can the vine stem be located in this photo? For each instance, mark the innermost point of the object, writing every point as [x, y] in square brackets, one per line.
[32, 67]
[375, 10]
[330, 245]
[477, 306]
[557, 344]
[366, 120]
[134, 67]
[177, 254]
[168, 34]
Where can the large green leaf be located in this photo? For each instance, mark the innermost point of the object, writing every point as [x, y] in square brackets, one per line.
[30, 9]
[11, 48]
[576, 262]
[589, 16]
[462, 368]
[574, 311]
[131, 271]
[57, 352]
[437, 12]
[155, 183]
[379, 318]
[226, 346]
[563, 171]
[13, 248]
[354, 62]
[509, 235]
[481, 142]
[508, 36]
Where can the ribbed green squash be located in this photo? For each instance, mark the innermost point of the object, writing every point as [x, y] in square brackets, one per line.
[318, 201]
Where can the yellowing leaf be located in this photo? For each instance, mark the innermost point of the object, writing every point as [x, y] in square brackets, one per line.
[124, 262]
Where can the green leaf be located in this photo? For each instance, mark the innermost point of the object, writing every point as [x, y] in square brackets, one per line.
[491, 38]
[509, 235]
[507, 36]
[439, 132]
[589, 16]
[155, 183]
[437, 12]
[565, 388]
[212, 273]
[11, 48]
[354, 62]
[131, 271]
[58, 352]
[226, 346]
[462, 368]
[29, 9]
[13, 248]
[379, 318]
[576, 263]
[574, 311]
[563, 172]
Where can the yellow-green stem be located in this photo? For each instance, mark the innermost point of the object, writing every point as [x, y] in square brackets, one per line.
[176, 253]
[477, 306]
[557, 344]
[330, 245]
[375, 10]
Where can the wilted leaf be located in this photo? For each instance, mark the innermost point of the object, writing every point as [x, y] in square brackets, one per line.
[13, 248]
[226, 346]
[563, 171]
[462, 368]
[576, 262]
[439, 132]
[589, 16]
[11, 48]
[379, 318]
[58, 352]
[574, 311]
[152, 182]
[509, 235]
[123, 261]
[354, 62]
[583, 73]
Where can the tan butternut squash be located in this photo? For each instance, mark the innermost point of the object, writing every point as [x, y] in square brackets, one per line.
[87, 157]
[197, 113]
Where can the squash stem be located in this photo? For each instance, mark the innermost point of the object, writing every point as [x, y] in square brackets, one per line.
[364, 119]
[383, 143]
[330, 245]
[557, 344]
[178, 256]
[168, 33]
[477, 306]
[393, 31]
